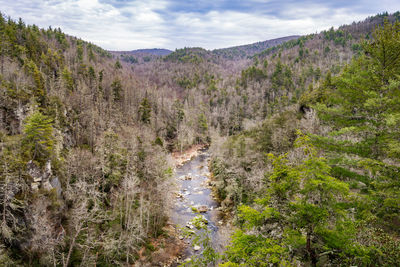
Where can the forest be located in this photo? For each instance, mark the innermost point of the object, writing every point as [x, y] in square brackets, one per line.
[303, 133]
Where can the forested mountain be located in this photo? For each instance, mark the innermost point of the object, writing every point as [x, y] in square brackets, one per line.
[154, 51]
[243, 51]
[304, 140]
[141, 55]
[236, 52]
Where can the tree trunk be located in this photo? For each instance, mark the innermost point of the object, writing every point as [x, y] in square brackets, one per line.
[71, 247]
[310, 250]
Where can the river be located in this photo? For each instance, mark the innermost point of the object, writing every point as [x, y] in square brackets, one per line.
[194, 191]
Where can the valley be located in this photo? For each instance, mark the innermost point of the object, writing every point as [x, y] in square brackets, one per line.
[284, 152]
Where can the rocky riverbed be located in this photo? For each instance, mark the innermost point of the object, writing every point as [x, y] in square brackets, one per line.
[194, 196]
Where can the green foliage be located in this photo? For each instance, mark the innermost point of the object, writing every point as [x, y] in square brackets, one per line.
[252, 73]
[117, 65]
[38, 140]
[114, 160]
[189, 82]
[39, 90]
[79, 50]
[282, 78]
[117, 90]
[301, 199]
[255, 250]
[202, 128]
[129, 58]
[145, 111]
[201, 238]
[187, 55]
[68, 79]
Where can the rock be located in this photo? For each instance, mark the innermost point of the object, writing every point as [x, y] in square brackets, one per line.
[47, 172]
[46, 185]
[202, 208]
[220, 222]
[35, 186]
[55, 183]
[196, 248]
[42, 179]
[34, 172]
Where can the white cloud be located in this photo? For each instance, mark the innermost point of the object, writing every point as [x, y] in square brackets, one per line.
[135, 25]
[127, 25]
[223, 29]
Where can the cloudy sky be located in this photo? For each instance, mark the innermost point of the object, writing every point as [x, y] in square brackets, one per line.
[133, 24]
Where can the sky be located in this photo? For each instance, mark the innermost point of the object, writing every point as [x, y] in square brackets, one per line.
[134, 24]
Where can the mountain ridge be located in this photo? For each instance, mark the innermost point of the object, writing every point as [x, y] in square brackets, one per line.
[240, 51]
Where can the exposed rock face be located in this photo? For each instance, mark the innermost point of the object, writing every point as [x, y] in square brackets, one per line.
[43, 179]
[34, 172]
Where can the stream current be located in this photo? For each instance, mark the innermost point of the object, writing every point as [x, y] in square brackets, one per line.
[194, 191]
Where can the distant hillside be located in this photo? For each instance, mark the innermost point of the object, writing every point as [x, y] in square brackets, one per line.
[243, 51]
[141, 52]
[141, 55]
[153, 52]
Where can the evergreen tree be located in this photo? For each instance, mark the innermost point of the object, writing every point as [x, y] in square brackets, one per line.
[305, 201]
[145, 111]
[38, 141]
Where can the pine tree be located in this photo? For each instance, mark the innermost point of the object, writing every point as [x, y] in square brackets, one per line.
[38, 141]
[363, 107]
[305, 201]
[145, 111]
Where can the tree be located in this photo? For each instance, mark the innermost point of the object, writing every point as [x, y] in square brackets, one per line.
[316, 204]
[145, 111]
[363, 107]
[38, 140]
[118, 65]
[116, 87]
[303, 202]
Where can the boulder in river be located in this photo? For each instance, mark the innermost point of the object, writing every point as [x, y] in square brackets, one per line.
[202, 208]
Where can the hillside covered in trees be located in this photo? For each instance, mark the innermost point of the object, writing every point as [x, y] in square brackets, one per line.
[303, 135]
